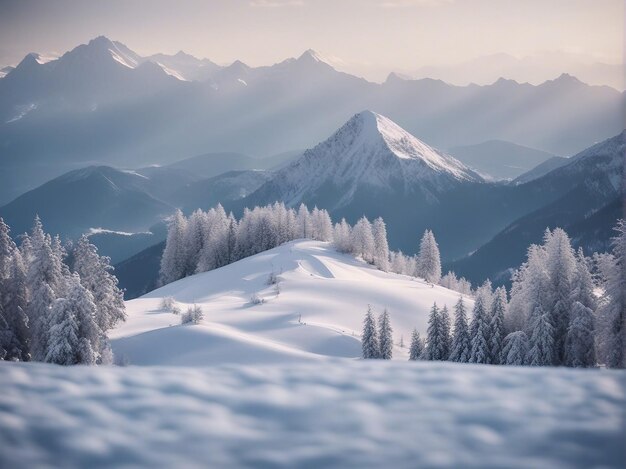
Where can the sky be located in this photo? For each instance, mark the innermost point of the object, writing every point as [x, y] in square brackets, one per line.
[366, 37]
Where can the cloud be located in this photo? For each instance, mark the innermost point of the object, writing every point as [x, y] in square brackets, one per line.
[276, 3]
[413, 3]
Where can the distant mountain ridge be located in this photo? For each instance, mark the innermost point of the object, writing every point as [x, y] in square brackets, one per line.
[103, 103]
[498, 159]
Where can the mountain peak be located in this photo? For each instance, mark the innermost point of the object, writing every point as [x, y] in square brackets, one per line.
[369, 154]
[101, 42]
[312, 56]
[403, 145]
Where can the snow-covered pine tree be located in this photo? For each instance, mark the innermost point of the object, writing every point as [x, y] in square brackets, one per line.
[446, 338]
[194, 238]
[385, 339]
[561, 264]
[74, 335]
[322, 225]
[461, 347]
[580, 348]
[369, 338]
[417, 347]
[529, 290]
[95, 275]
[428, 259]
[434, 346]
[381, 248]
[13, 323]
[63, 341]
[14, 310]
[479, 331]
[515, 349]
[496, 326]
[397, 262]
[231, 239]
[343, 236]
[612, 309]
[45, 283]
[303, 221]
[582, 284]
[541, 343]
[363, 240]
[174, 260]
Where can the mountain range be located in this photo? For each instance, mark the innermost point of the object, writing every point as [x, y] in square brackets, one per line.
[103, 104]
[370, 166]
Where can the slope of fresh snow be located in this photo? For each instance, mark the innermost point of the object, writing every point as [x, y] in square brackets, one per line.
[370, 150]
[315, 311]
[337, 413]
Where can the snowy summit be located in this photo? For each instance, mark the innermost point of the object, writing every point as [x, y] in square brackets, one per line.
[370, 151]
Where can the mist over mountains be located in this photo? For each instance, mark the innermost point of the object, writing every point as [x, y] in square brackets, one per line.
[101, 103]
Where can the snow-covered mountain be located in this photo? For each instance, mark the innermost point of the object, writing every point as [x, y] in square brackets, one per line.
[93, 197]
[102, 102]
[315, 311]
[588, 196]
[368, 154]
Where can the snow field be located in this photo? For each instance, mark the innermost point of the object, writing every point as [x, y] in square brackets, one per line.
[316, 312]
[336, 413]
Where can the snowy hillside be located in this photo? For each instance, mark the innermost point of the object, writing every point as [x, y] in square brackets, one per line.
[370, 151]
[331, 414]
[315, 310]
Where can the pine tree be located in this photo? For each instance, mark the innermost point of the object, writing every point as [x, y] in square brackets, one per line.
[582, 284]
[529, 290]
[342, 236]
[63, 342]
[45, 282]
[381, 248]
[174, 260]
[445, 337]
[561, 265]
[417, 347]
[612, 310]
[496, 326]
[74, 335]
[428, 259]
[515, 349]
[385, 336]
[95, 275]
[580, 349]
[398, 262]
[304, 222]
[435, 348]
[231, 239]
[542, 350]
[13, 321]
[479, 332]
[363, 240]
[13, 293]
[460, 340]
[369, 339]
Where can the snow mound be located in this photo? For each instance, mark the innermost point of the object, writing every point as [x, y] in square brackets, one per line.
[333, 414]
[314, 311]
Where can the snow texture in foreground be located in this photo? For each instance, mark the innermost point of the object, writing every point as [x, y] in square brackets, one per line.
[317, 311]
[316, 414]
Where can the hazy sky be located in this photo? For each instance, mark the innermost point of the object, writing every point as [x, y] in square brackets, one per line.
[356, 34]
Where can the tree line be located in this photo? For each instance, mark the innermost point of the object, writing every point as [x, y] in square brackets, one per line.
[209, 240]
[56, 302]
[555, 317]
